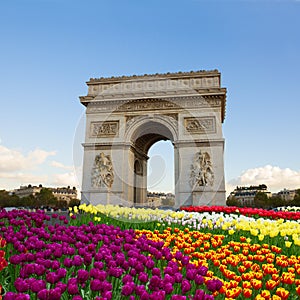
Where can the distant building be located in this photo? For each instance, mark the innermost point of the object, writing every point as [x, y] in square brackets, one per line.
[64, 193]
[156, 199]
[60, 193]
[245, 195]
[287, 195]
[27, 190]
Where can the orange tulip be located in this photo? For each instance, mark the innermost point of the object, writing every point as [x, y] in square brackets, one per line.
[283, 293]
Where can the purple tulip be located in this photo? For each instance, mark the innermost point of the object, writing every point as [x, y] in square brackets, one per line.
[52, 277]
[202, 270]
[96, 285]
[21, 285]
[82, 275]
[185, 286]
[73, 289]
[77, 297]
[168, 288]
[38, 285]
[178, 277]
[178, 297]
[14, 296]
[143, 277]
[43, 294]
[214, 285]
[127, 289]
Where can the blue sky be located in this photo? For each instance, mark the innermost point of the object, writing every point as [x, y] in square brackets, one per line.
[50, 48]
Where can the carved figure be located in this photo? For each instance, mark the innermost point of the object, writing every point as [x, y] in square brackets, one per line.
[201, 170]
[102, 172]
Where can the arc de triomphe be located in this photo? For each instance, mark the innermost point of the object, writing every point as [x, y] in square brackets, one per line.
[126, 115]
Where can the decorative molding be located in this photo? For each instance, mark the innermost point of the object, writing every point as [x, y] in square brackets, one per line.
[200, 125]
[201, 170]
[104, 129]
[102, 172]
[149, 104]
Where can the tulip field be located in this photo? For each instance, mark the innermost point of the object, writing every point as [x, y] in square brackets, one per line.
[111, 252]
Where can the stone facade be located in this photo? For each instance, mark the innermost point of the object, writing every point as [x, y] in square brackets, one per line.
[126, 115]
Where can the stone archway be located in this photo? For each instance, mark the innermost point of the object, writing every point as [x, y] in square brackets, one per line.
[142, 133]
[127, 115]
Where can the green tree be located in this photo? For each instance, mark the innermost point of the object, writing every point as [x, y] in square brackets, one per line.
[261, 200]
[232, 201]
[46, 198]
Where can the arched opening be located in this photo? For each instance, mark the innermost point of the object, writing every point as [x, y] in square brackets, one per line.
[160, 174]
[151, 144]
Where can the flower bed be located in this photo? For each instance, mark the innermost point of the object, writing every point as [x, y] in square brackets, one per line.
[108, 252]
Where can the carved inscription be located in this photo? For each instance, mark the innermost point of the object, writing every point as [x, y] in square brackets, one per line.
[104, 129]
[200, 125]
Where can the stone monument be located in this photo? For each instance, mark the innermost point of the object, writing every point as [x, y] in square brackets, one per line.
[126, 115]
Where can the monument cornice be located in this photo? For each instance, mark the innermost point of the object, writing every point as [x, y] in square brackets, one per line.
[170, 75]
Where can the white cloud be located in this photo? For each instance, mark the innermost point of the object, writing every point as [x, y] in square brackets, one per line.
[65, 179]
[59, 165]
[13, 160]
[23, 177]
[274, 177]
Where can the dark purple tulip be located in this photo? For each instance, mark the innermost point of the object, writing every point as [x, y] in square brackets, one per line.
[155, 283]
[185, 260]
[178, 297]
[145, 296]
[149, 264]
[185, 286]
[139, 289]
[156, 271]
[107, 295]
[77, 297]
[68, 262]
[96, 285]
[143, 277]
[107, 286]
[43, 294]
[61, 272]
[38, 285]
[127, 278]
[199, 279]
[39, 270]
[199, 295]
[191, 274]
[127, 289]
[73, 289]
[178, 277]
[214, 284]
[21, 285]
[202, 270]
[9, 296]
[168, 278]
[61, 286]
[178, 255]
[168, 288]
[55, 294]
[82, 276]
[77, 261]
[52, 277]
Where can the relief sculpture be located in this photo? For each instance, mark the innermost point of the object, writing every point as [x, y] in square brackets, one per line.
[200, 125]
[201, 170]
[102, 172]
[103, 129]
